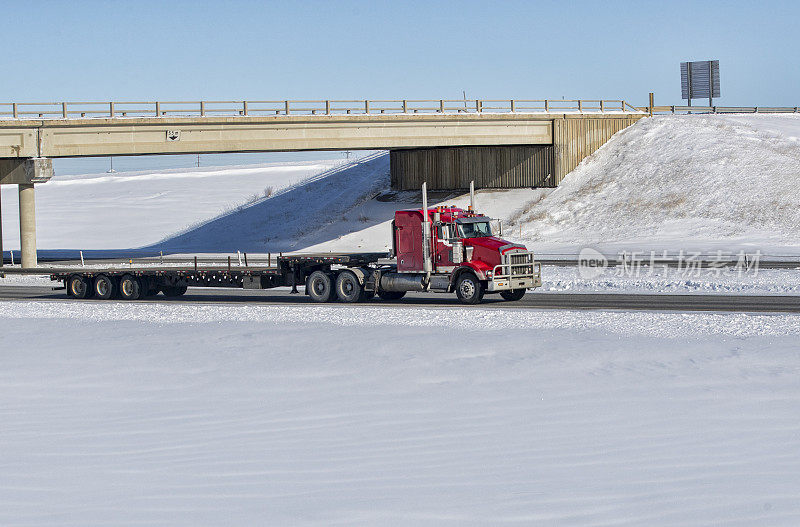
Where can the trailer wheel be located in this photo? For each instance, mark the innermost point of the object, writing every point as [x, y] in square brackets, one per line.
[320, 287]
[513, 295]
[391, 295]
[469, 289]
[130, 288]
[78, 286]
[348, 288]
[174, 290]
[103, 287]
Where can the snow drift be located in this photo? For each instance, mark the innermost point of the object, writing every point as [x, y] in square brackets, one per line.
[680, 182]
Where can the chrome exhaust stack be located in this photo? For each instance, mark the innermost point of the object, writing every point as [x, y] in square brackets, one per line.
[472, 196]
[427, 262]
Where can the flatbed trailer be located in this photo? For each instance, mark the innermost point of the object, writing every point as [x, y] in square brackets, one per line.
[132, 281]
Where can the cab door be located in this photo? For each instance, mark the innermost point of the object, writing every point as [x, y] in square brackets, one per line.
[408, 231]
[445, 233]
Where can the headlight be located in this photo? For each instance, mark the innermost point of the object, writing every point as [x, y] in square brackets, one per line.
[488, 274]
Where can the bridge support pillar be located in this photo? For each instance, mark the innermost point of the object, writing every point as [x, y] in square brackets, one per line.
[25, 173]
[27, 225]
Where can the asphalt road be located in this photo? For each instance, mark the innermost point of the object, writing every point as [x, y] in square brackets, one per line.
[534, 300]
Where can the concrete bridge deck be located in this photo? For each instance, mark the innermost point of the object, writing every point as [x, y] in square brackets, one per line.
[81, 129]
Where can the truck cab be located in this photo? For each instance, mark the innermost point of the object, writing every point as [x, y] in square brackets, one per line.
[463, 246]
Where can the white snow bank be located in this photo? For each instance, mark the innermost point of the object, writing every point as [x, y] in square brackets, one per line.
[786, 126]
[557, 279]
[476, 320]
[176, 415]
[680, 182]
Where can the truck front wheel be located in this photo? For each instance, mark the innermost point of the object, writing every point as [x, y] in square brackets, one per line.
[513, 295]
[320, 287]
[469, 289]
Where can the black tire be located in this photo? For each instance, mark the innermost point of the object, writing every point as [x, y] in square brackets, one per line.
[130, 288]
[104, 287]
[391, 295]
[174, 290]
[320, 287]
[469, 289]
[348, 287]
[78, 287]
[512, 295]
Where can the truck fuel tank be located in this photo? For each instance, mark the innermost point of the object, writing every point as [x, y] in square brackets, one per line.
[413, 282]
[402, 282]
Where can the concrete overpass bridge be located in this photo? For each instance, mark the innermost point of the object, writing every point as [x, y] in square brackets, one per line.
[497, 143]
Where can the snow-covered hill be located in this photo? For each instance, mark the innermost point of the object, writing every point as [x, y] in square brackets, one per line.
[693, 182]
[281, 222]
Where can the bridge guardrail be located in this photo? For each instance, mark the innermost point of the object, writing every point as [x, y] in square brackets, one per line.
[116, 109]
[721, 109]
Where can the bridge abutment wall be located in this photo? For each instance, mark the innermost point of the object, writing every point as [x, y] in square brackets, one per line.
[506, 166]
[488, 166]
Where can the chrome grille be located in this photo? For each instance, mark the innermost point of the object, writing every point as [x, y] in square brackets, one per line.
[516, 264]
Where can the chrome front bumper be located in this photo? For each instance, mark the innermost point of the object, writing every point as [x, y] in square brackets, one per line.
[518, 271]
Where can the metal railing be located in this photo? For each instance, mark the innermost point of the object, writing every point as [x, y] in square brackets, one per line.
[721, 109]
[121, 109]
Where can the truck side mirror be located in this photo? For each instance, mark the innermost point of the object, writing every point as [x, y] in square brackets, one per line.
[497, 227]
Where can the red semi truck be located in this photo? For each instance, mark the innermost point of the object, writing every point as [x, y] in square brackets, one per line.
[440, 249]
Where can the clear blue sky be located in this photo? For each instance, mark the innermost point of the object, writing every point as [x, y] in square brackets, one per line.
[146, 50]
[179, 50]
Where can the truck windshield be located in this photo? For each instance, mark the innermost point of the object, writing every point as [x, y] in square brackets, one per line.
[474, 230]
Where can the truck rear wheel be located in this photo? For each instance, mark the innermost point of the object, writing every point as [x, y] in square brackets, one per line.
[469, 289]
[130, 288]
[78, 286]
[320, 287]
[391, 295]
[348, 288]
[104, 287]
[513, 295]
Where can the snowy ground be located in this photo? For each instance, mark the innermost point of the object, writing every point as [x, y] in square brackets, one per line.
[672, 281]
[247, 415]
